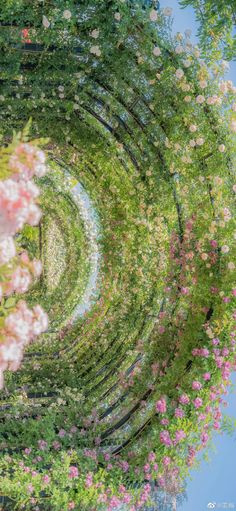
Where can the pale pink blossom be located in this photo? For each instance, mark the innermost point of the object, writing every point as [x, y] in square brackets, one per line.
[7, 250]
[200, 99]
[20, 281]
[153, 15]
[27, 161]
[179, 73]
[156, 51]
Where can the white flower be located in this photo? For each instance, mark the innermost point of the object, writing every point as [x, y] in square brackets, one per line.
[221, 148]
[95, 50]
[156, 51]
[117, 16]
[95, 33]
[179, 49]
[46, 22]
[223, 86]
[200, 141]
[187, 99]
[200, 99]
[179, 73]
[192, 143]
[193, 128]
[187, 63]
[203, 84]
[231, 266]
[167, 11]
[225, 249]
[153, 15]
[67, 14]
[233, 126]
[225, 65]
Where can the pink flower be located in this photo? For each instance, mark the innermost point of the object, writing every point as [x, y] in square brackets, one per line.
[165, 438]
[196, 385]
[207, 376]
[202, 416]
[151, 456]
[42, 445]
[27, 161]
[17, 206]
[46, 479]
[27, 450]
[89, 480]
[161, 405]
[73, 472]
[179, 413]
[185, 290]
[71, 505]
[166, 460]
[200, 99]
[184, 399]
[197, 402]
[62, 433]
[204, 438]
[56, 445]
[20, 280]
[164, 422]
[204, 352]
[179, 435]
[114, 502]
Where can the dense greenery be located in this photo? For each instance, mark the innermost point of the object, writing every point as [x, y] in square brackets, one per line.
[217, 25]
[134, 116]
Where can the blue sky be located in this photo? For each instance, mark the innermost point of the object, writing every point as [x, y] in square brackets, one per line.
[215, 481]
[184, 18]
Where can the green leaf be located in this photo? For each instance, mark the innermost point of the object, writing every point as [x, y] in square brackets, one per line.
[10, 302]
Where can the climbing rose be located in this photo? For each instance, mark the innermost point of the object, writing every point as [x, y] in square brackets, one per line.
[184, 399]
[73, 472]
[197, 402]
[161, 405]
[7, 250]
[165, 438]
[196, 385]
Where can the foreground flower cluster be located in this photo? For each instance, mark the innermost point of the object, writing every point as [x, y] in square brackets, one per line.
[18, 194]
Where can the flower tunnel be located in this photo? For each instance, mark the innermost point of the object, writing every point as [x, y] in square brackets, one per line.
[136, 242]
